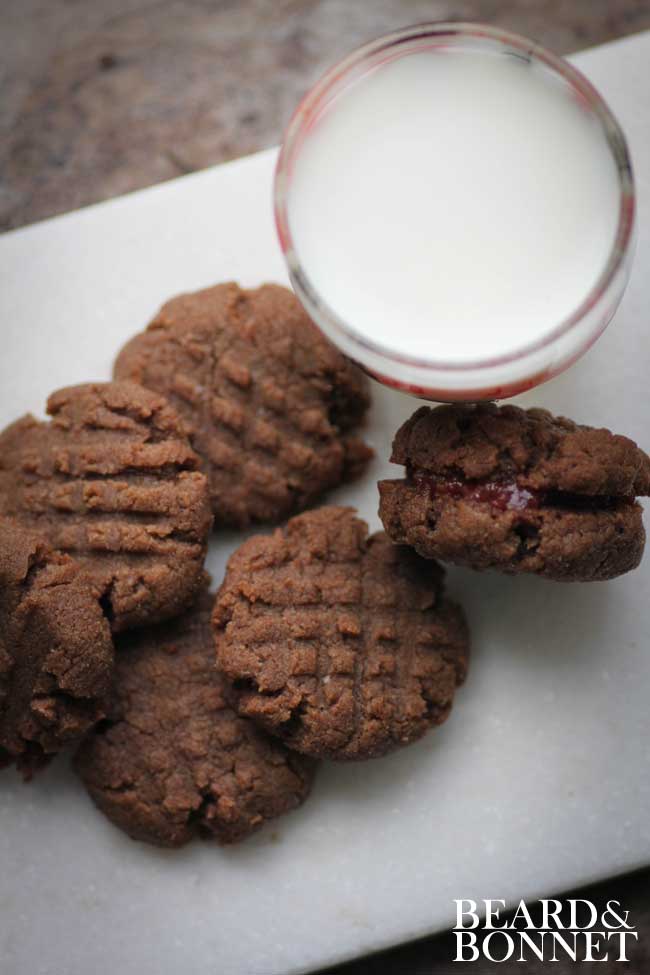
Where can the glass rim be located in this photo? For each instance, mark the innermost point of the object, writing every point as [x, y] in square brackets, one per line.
[310, 105]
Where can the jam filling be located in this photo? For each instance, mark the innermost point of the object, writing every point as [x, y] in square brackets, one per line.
[510, 496]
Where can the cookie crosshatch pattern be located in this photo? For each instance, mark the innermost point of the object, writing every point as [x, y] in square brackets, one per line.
[173, 760]
[341, 644]
[270, 405]
[112, 480]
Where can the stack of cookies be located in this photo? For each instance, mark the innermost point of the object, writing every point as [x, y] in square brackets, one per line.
[199, 713]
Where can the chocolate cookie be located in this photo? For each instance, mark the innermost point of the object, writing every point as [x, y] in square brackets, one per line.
[56, 651]
[340, 644]
[269, 403]
[174, 759]
[517, 490]
[113, 481]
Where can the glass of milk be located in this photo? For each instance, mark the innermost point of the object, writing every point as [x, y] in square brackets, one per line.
[456, 209]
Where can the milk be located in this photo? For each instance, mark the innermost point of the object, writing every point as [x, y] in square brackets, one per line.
[454, 205]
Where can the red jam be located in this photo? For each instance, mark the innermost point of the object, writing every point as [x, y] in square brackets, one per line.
[503, 495]
[510, 496]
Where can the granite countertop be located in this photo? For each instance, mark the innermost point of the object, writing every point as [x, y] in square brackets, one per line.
[100, 97]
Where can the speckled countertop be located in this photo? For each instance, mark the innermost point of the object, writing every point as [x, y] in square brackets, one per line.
[99, 97]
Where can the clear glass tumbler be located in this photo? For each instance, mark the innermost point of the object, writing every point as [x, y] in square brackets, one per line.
[487, 378]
